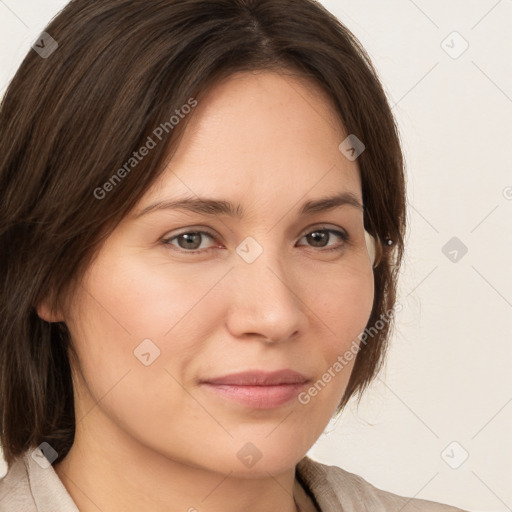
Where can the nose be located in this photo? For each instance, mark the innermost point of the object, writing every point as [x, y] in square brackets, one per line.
[265, 301]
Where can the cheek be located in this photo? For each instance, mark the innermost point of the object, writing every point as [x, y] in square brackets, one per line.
[128, 302]
[137, 299]
[343, 300]
[341, 303]
[118, 312]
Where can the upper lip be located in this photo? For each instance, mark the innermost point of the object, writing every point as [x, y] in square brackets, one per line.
[259, 378]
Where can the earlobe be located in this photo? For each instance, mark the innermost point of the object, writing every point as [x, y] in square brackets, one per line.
[46, 313]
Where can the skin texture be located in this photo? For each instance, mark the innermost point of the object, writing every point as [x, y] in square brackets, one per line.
[151, 437]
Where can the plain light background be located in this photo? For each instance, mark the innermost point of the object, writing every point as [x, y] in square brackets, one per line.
[446, 391]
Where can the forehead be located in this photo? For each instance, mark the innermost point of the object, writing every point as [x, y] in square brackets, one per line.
[261, 134]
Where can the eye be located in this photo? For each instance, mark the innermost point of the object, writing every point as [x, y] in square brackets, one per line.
[191, 241]
[320, 237]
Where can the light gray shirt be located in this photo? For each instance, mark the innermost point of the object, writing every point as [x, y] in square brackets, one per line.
[30, 487]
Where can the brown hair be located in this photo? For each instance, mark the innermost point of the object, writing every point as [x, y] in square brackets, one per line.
[70, 120]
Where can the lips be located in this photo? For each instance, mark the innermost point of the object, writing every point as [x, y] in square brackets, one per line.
[257, 389]
[259, 378]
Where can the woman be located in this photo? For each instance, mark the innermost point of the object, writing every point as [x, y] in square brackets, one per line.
[203, 211]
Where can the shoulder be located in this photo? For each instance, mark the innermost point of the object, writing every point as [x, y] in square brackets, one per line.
[32, 485]
[15, 491]
[334, 487]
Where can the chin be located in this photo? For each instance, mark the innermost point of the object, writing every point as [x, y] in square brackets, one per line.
[273, 465]
[252, 459]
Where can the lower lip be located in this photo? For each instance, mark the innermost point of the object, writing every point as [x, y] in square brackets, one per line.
[258, 397]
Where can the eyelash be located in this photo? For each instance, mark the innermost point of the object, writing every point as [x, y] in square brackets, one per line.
[343, 235]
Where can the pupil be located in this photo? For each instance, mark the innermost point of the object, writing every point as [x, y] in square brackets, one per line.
[318, 236]
[189, 240]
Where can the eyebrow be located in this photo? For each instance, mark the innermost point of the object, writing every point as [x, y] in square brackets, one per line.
[210, 206]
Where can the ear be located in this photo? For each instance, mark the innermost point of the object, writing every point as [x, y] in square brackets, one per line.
[370, 245]
[45, 312]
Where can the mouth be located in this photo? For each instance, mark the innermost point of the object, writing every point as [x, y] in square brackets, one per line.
[258, 389]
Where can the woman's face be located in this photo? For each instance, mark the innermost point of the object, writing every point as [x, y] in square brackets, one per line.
[160, 313]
